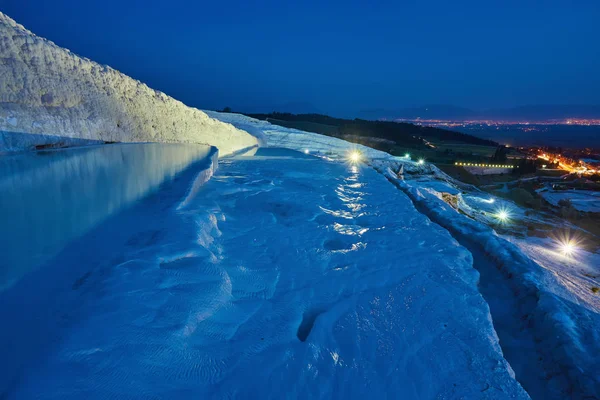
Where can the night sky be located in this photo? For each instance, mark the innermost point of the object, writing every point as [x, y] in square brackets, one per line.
[340, 57]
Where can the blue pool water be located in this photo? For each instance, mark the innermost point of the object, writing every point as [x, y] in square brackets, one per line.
[282, 276]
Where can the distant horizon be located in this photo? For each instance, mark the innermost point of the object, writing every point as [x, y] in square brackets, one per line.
[535, 113]
[537, 133]
[285, 104]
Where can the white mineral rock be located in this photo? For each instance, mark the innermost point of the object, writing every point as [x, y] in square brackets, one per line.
[47, 90]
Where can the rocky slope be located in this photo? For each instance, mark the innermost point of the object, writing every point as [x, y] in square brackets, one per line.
[47, 90]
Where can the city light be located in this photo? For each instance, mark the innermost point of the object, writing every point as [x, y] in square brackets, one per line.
[573, 163]
[306, 151]
[525, 125]
[421, 161]
[407, 155]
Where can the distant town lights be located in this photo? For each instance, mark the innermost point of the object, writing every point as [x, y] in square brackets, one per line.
[421, 161]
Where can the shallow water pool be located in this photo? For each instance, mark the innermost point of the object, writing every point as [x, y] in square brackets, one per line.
[284, 275]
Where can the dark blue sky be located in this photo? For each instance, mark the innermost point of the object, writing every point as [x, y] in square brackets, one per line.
[340, 57]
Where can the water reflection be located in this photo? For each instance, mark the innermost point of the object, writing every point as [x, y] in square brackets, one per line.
[349, 194]
[50, 197]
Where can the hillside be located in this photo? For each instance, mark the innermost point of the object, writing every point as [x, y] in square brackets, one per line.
[401, 133]
[48, 91]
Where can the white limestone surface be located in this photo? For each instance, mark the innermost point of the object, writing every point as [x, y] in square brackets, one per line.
[47, 90]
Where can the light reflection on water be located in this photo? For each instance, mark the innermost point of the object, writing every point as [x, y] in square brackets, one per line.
[48, 198]
[353, 199]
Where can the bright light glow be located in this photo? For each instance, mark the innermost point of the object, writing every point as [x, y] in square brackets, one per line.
[568, 248]
[407, 155]
[567, 243]
[491, 201]
[421, 162]
[306, 151]
[355, 156]
[502, 215]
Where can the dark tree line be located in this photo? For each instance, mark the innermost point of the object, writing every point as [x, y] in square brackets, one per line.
[500, 155]
[525, 166]
[400, 132]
